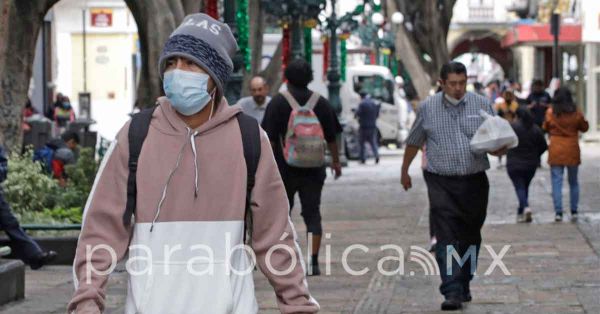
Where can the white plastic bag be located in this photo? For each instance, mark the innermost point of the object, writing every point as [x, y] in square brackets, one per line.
[494, 133]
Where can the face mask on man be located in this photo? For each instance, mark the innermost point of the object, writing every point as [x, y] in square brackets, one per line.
[187, 91]
[66, 105]
[453, 100]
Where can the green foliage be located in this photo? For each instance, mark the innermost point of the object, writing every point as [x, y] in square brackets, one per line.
[27, 186]
[37, 198]
[81, 179]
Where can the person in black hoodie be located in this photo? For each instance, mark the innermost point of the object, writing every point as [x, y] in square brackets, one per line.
[522, 161]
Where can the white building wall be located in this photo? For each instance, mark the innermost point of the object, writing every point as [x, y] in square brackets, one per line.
[119, 42]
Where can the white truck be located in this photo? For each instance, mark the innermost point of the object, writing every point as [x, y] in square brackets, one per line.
[395, 115]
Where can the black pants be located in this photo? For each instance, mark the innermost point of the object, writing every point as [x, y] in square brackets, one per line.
[458, 210]
[22, 246]
[521, 179]
[309, 188]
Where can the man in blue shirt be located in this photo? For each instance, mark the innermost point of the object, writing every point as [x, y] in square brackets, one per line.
[367, 115]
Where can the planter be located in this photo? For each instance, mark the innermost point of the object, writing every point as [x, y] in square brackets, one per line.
[12, 281]
[64, 246]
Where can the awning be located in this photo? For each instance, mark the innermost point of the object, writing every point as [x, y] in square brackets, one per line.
[539, 35]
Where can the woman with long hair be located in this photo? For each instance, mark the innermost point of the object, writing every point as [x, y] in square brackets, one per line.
[563, 123]
[522, 161]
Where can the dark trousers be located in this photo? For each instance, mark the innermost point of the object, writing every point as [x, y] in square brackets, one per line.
[22, 246]
[309, 188]
[368, 136]
[521, 179]
[458, 210]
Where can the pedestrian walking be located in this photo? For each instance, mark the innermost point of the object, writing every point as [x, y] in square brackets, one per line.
[538, 102]
[298, 107]
[21, 244]
[456, 181]
[367, 115]
[564, 122]
[522, 161]
[187, 175]
[506, 107]
[256, 104]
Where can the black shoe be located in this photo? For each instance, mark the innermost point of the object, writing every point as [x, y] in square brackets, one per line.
[313, 270]
[452, 304]
[43, 259]
[466, 296]
[377, 160]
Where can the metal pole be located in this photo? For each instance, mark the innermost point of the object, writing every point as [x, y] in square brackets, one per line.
[84, 53]
[555, 27]
[333, 74]
[45, 68]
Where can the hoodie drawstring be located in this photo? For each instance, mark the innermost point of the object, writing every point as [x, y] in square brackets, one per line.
[193, 142]
[191, 136]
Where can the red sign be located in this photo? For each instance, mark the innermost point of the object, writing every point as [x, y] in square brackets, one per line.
[539, 35]
[101, 17]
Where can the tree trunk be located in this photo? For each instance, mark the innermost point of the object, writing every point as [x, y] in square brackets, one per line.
[20, 23]
[405, 51]
[273, 73]
[430, 21]
[155, 21]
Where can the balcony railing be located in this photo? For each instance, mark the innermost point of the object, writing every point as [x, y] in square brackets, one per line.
[481, 13]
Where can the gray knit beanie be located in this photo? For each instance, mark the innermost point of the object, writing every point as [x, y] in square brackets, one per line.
[207, 42]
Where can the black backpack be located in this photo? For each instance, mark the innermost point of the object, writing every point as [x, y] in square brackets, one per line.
[138, 130]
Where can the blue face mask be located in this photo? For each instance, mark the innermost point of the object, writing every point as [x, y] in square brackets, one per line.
[187, 91]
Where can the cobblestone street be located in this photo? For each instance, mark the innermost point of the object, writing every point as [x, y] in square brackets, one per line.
[554, 267]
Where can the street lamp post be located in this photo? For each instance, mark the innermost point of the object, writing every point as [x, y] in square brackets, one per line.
[333, 73]
[294, 12]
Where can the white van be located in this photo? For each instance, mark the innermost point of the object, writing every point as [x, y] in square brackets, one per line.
[395, 112]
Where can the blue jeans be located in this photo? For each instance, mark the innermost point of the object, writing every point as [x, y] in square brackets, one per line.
[521, 178]
[557, 182]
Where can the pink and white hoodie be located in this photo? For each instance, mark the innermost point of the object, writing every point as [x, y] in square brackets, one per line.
[183, 248]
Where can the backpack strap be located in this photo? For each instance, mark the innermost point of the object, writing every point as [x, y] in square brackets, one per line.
[312, 101]
[252, 149]
[138, 130]
[291, 100]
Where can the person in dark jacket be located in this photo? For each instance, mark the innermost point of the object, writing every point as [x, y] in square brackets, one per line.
[367, 115]
[522, 161]
[22, 245]
[538, 102]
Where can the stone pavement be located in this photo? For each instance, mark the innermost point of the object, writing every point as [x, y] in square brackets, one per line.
[554, 267]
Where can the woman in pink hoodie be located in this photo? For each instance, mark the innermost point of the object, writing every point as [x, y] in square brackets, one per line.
[185, 241]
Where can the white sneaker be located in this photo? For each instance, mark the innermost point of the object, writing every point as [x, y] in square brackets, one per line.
[4, 250]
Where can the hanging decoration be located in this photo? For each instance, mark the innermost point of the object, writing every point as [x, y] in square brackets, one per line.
[325, 41]
[241, 19]
[343, 54]
[211, 8]
[285, 47]
[343, 59]
[308, 45]
[394, 66]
